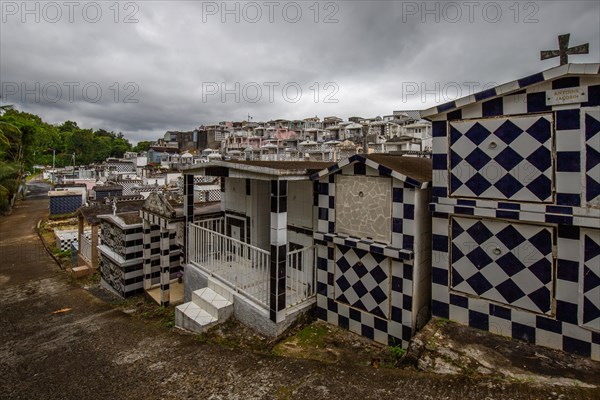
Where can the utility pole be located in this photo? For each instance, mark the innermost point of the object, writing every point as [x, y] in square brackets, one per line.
[53, 164]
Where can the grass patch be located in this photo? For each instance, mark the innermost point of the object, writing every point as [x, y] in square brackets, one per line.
[58, 217]
[313, 335]
[61, 253]
[397, 352]
[232, 334]
[147, 310]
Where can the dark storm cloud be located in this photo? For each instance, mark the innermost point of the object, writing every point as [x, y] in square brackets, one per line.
[160, 72]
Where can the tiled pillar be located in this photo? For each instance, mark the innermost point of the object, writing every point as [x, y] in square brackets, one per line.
[188, 208]
[146, 237]
[95, 246]
[222, 184]
[165, 270]
[278, 250]
[79, 235]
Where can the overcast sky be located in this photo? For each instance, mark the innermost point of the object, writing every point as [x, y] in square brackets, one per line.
[145, 67]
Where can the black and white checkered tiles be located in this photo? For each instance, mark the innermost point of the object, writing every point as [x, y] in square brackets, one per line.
[363, 285]
[129, 184]
[362, 280]
[526, 95]
[64, 239]
[368, 294]
[568, 141]
[538, 295]
[502, 158]
[590, 284]
[499, 261]
[592, 156]
[559, 328]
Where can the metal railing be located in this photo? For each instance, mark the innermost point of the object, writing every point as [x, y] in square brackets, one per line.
[300, 276]
[242, 266]
[212, 224]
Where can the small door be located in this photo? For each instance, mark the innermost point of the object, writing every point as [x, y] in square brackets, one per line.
[502, 158]
[505, 262]
[236, 233]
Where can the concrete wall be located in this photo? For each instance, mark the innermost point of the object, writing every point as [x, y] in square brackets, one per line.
[235, 195]
[300, 204]
[363, 206]
[193, 279]
[422, 262]
[259, 204]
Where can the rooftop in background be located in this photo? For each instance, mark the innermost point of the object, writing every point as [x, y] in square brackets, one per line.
[91, 213]
[413, 114]
[418, 168]
[414, 171]
[264, 169]
[287, 165]
[58, 193]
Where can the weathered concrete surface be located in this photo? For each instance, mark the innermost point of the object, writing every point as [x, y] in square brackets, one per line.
[445, 347]
[58, 341]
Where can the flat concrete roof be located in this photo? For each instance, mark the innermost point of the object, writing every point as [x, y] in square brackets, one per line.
[256, 169]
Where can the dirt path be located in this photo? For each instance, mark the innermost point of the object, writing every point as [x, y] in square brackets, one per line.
[89, 350]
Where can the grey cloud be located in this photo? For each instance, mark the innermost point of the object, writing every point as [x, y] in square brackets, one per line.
[371, 54]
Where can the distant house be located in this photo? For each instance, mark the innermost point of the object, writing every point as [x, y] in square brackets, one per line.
[155, 153]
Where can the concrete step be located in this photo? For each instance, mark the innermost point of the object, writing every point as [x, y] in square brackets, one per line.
[213, 303]
[80, 272]
[191, 317]
[220, 289]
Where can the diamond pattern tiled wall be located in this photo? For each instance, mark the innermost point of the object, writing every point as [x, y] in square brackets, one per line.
[592, 157]
[361, 280]
[550, 294]
[507, 263]
[502, 158]
[591, 279]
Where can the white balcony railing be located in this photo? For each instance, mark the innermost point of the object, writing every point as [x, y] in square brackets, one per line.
[242, 266]
[213, 224]
[300, 276]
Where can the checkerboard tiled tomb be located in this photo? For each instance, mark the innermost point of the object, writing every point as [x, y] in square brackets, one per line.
[373, 246]
[516, 209]
[123, 242]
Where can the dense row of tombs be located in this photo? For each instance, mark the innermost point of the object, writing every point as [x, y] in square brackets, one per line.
[499, 230]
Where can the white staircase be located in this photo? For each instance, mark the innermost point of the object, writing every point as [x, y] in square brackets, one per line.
[209, 306]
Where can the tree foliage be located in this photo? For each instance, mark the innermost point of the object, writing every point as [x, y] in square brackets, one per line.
[144, 145]
[26, 140]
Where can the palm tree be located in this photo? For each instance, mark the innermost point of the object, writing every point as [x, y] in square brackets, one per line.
[11, 161]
